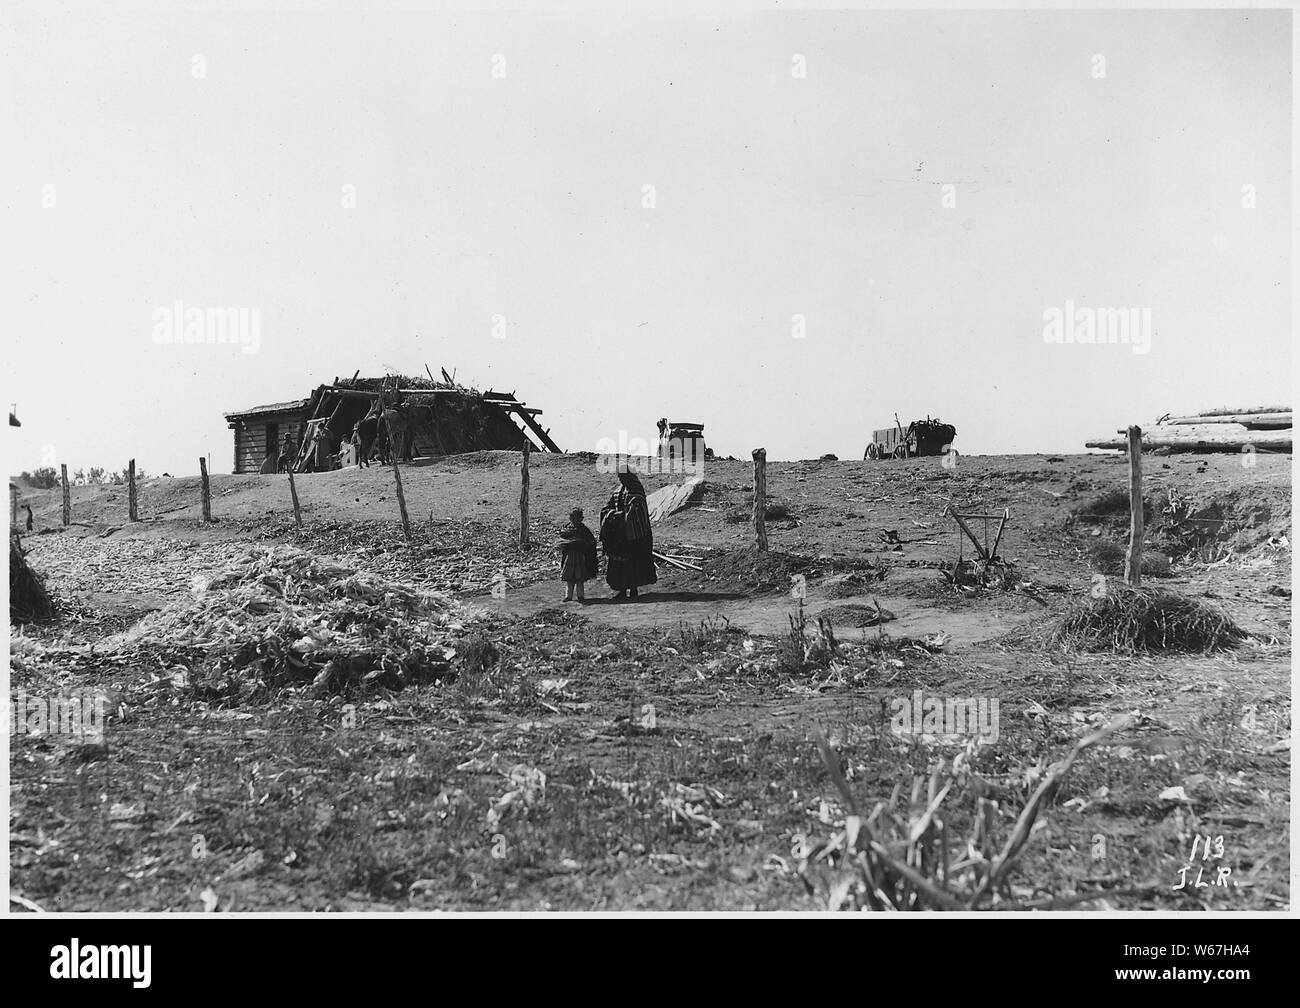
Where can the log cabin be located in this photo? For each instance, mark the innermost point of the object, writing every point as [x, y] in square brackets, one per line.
[449, 419]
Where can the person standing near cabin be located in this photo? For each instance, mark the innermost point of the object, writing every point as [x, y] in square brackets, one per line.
[626, 538]
[288, 454]
[348, 450]
[29, 516]
[367, 433]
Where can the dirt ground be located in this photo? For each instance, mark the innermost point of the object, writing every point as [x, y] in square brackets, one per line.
[674, 732]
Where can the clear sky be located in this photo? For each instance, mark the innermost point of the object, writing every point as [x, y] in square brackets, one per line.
[133, 181]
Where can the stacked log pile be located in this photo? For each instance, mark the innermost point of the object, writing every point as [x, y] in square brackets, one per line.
[1225, 429]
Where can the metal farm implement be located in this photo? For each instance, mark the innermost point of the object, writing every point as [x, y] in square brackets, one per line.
[988, 570]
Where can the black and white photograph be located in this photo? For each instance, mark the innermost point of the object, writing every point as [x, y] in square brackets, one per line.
[648, 459]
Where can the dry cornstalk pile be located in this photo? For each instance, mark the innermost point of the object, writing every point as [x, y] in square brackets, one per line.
[1127, 620]
[279, 617]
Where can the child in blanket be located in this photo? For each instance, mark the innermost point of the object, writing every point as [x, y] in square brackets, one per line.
[578, 563]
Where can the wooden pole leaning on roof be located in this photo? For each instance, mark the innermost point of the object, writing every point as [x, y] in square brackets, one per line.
[206, 489]
[131, 509]
[67, 497]
[293, 493]
[760, 498]
[1133, 560]
[523, 492]
[401, 497]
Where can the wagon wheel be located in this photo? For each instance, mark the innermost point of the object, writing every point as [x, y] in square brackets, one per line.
[901, 451]
[873, 452]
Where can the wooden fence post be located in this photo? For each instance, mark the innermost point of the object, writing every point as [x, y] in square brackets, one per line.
[1133, 561]
[760, 498]
[207, 489]
[131, 510]
[67, 497]
[293, 492]
[401, 497]
[523, 494]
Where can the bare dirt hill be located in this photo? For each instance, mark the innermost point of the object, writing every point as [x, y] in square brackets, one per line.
[890, 513]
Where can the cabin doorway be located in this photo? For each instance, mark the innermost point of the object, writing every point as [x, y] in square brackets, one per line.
[272, 440]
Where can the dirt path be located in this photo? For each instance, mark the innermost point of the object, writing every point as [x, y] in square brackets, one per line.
[673, 602]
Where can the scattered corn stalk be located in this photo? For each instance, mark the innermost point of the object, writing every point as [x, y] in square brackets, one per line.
[901, 857]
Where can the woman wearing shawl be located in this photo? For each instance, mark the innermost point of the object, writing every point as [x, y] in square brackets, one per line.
[626, 539]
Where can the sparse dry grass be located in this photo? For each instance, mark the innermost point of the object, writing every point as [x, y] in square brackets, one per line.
[393, 812]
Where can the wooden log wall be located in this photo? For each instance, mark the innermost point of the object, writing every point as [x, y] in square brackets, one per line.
[250, 438]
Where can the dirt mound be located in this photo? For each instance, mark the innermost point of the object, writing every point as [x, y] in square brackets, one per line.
[854, 584]
[845, 589]
[1109, 557]
[854, 614]
[773, 511]
[29, 602]
[746, 569]
[1228, 520]
[1236, 520]
[1113, 504]
[750, 570]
